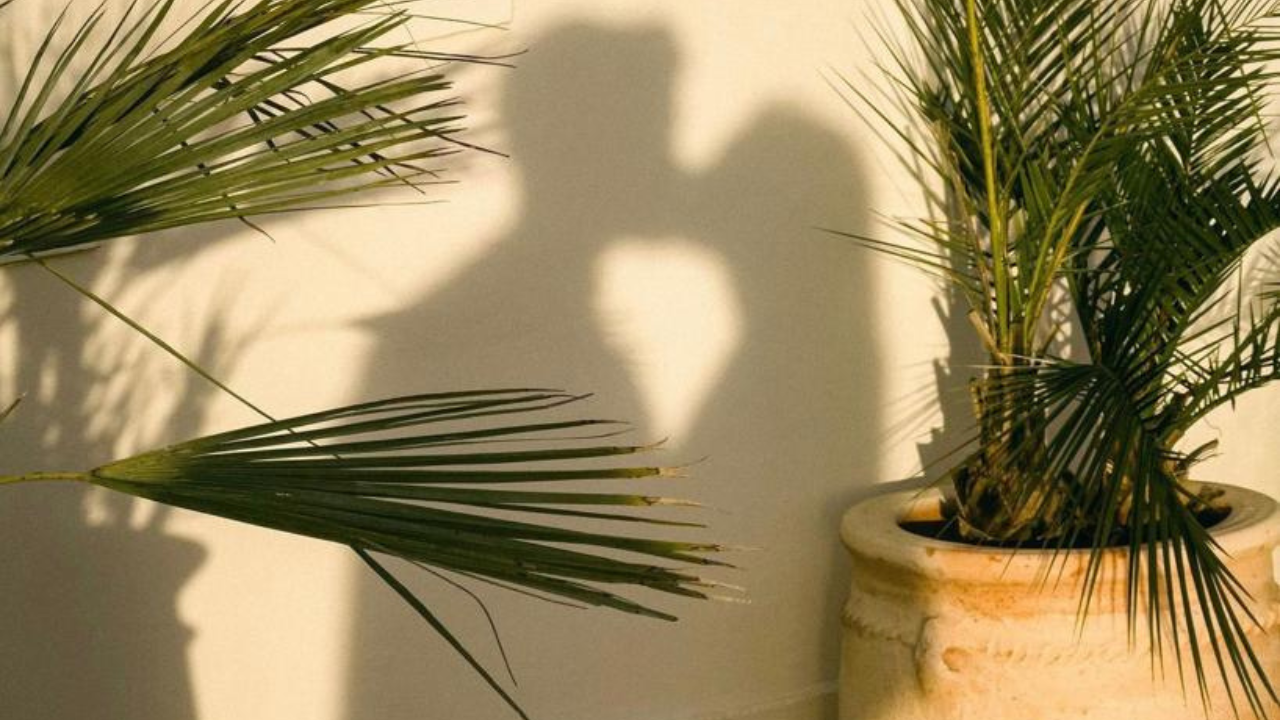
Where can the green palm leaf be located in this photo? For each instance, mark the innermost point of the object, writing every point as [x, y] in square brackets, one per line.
[429, 479]
[230, 120]
[422, 493]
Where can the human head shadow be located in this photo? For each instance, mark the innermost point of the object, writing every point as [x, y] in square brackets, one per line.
[793, 428]
[88, 609]
[586, 117]
[790, 427]
[595, 163]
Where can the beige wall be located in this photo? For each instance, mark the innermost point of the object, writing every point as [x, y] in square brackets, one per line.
[651, 240]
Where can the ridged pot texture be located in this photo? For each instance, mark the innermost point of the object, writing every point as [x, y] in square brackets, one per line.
[937, 630]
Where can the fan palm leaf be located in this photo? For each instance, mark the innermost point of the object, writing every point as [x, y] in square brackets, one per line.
[227, 121]
[439, 480]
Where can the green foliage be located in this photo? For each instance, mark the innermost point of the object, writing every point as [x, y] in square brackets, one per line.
[429, 479]
[1103, 167]
[238, 117]
[401, 477]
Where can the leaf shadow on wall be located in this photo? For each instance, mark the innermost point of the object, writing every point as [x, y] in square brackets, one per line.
[89, 580]
[88, 594]
[790, 426]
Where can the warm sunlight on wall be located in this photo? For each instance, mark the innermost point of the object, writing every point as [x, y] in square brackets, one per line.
[651, 240]
[654, 238]
[675, 318]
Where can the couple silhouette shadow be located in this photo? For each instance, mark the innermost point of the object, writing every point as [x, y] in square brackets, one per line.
[787, 421]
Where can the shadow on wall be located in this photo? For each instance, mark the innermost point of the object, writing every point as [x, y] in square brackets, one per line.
[790, 427]
[88, 608]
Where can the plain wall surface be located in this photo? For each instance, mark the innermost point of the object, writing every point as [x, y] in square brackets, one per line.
[653, 239]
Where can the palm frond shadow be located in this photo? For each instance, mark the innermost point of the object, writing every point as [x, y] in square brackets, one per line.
[103, 570]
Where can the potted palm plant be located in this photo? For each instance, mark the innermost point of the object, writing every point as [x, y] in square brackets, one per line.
[143, 122]
[1102, 175]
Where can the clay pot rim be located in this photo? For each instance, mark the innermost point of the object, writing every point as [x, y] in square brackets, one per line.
[871, 530]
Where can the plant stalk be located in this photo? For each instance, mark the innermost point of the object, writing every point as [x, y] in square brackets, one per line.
[999, 245]
[45, 477]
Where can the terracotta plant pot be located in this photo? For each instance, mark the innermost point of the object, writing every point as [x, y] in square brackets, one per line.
[937, 630]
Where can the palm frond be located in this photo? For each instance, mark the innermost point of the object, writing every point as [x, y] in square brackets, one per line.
[454, 482]
[236, 117]
[1127, 487]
